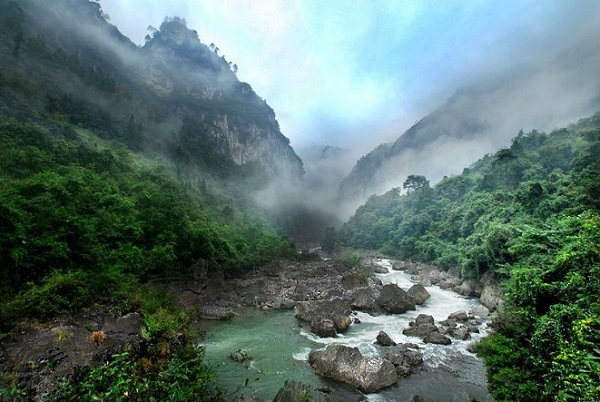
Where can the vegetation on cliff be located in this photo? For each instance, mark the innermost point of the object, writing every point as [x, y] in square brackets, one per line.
[529, 214]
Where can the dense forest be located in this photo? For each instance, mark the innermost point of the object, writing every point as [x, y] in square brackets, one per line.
[528, 214]
[110, 190]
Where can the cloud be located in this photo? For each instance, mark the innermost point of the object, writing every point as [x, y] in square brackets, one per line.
[333, 69]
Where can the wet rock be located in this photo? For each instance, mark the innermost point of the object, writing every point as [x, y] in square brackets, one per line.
[346, 364]
[365, 299]
[437, 338]
[323, 327]
[465, 289]
[335, 309]
[215, 313]
[356, 320]
[406, 361]
[480, 311]
[384, 339]
[131, 323]
[424, 319]
[240, 356]
[420, 330]
[461, 333]
[378, 269]
[458, 316]
[294, 391]
[395, 300]
[418, 293]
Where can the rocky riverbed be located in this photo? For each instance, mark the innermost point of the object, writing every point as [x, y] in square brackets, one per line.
[325, 295]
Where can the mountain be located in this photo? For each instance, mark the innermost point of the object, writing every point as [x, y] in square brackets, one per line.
[174, 97]
[481, 118]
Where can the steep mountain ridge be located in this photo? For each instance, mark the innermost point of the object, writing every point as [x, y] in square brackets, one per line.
[174, 97]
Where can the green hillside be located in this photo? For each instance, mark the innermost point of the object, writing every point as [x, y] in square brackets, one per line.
[530, 215]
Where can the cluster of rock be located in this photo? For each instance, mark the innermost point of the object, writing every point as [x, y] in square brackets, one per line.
[458, 325]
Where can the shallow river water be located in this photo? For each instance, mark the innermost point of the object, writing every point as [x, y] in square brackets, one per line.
[280, 346]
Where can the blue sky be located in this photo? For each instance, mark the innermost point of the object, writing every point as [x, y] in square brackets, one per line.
[362, 71]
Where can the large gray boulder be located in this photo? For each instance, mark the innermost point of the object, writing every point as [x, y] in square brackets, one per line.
[323, 327]
[383, 339]
[424, 319]
[364, 299]
[491, 297]
[334, 309]
[437, 338]
[418, 293]
[294, 391]
[395, 300]
[346, 364]
[420, 330]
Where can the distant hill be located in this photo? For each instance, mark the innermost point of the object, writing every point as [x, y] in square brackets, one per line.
[480, 119]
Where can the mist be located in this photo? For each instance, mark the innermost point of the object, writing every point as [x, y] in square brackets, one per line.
[355, 77]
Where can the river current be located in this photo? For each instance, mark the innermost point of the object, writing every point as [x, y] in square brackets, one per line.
[279, 346]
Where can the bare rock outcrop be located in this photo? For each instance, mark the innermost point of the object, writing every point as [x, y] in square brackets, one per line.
[346, 364]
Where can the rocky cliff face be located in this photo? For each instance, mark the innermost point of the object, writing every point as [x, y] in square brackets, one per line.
[174, 96]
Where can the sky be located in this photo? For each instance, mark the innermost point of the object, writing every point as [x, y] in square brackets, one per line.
[360, 72]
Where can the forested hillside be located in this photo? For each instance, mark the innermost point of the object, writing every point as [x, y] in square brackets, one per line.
[122, 170]
[530, 215]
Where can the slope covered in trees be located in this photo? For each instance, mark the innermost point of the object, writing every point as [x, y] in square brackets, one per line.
[529, 214]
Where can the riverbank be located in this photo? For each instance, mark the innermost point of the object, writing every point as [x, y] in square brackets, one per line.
[349, 297]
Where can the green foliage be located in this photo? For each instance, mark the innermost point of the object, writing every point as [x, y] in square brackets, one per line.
[350, 260]
[530, 214]
[183, 377]
[80, 220]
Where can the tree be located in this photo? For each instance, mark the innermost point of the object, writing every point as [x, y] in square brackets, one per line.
[415, 182]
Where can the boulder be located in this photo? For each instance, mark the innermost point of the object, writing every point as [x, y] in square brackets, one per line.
[240, 356]
[294, 391]
[491, 297]
[395, 300]
[384, 339]
[406, 361]
[424, 319]
[461, 333]
[437, 338]
[398, 265]
[418, 293]
[480, 311]
[364, 299]
[465, 289]
[323, 327]
[346, 364]
[420, 330]
[215, 313]
[131, 324]
[334, 309]
[458, 316]
[378, 269]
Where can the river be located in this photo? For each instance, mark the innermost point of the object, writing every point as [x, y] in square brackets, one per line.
[279, 346]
